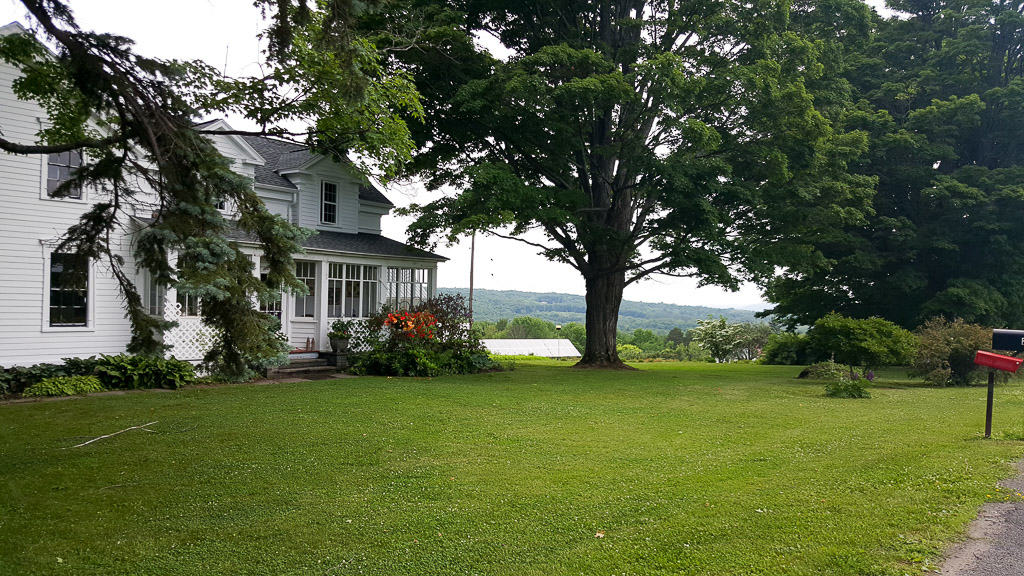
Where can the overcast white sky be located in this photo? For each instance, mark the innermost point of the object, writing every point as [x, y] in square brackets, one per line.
[223, 33]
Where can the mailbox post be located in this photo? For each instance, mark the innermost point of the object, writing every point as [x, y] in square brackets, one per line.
[1012, 340]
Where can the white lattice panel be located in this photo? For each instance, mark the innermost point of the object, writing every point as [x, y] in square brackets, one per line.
[361, 336]
[190, 339]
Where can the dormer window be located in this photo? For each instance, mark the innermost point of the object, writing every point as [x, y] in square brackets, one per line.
[328, 203]
[59, 169]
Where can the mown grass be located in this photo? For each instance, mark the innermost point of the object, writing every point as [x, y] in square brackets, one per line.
[684, 469]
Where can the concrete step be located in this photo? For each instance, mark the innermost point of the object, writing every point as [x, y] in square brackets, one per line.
[299, 371]
[303, 362]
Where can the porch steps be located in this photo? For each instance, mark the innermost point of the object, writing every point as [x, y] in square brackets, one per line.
[299, 367]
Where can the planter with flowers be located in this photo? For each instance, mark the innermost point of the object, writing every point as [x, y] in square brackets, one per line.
[340, 336]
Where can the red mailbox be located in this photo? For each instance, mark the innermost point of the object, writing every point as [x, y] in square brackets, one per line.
[997, 361]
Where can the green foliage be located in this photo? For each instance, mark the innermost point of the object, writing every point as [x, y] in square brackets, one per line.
[633, 140]
[787, 348]
[452, 347]
[65, 386]
[128, 372]
[868, 342]
[253, 346]
[341, 329]
[827, 370]
[846, 389]
[16, 379]
[630, 353]
[945, 351]
[717, 336]
[939, 90]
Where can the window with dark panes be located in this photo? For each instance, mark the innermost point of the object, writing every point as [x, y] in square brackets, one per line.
[329, 203]
[305, 306]
[59, 168]
[272, 307]
[69, 290]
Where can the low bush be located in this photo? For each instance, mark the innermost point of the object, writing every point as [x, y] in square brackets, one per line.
[16, 379]
[127, 372]
[868, 342]
[787, 348]
[827, 370]
[630, 353]
[120, 371]
[64, 386]
[945, 351]
[846, 389]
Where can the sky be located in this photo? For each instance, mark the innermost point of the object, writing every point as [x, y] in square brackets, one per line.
[224, 34]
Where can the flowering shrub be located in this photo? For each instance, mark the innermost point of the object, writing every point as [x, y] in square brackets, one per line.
[411, 325]
[430, 340]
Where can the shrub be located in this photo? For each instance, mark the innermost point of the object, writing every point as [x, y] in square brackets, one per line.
[718, 337]
[861, 342]
[16, 379]
[630, 353]
[787, 349]
[431, 340]
[945, 351]
[65, 386]
[127, 372]
[846, 389]
[254, 361]
[827, 370]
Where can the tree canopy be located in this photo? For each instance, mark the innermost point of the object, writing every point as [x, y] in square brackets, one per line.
[628, 139]
[940, 89]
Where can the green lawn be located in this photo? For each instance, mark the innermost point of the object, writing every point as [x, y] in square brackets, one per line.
[685, 469]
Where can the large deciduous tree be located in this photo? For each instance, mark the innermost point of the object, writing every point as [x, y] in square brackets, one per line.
[941, 91]
[631, 138]
[134, 120]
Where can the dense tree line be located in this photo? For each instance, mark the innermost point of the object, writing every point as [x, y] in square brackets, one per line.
[939, 88]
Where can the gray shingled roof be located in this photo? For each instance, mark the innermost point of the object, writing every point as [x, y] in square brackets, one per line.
[281, 156]
[362, 243]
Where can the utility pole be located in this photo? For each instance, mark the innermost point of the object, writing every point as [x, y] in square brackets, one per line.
[472, 259]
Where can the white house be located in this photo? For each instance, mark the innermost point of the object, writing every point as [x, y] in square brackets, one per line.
[350, 269]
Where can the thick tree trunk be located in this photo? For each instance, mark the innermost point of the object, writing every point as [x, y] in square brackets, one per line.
[604, 295]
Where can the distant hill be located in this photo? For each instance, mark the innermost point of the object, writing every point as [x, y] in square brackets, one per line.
[492, 305]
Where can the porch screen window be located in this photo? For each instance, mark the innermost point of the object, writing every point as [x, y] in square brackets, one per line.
[329, 203]
[406, 287]
[69, 290]
[272, 307]
[352, 291]
[305, 306]
[189, 304]
[59, 168]
[335, 289]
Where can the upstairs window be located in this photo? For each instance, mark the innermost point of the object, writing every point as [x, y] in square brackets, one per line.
[328, 203]
[59, 168]
[69, 290]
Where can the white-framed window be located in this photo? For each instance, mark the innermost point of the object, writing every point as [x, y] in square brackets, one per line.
[60, 167]
[305, 306]
[406, 287]
[189, 303]
[352, 290]
[272, 307]
[68, 289]
[156, 297]
[328, 202]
